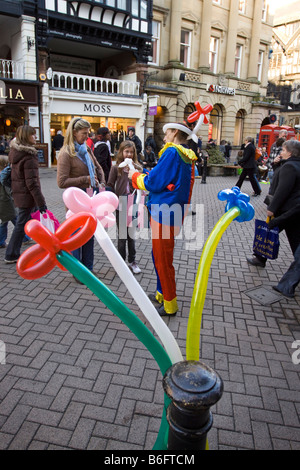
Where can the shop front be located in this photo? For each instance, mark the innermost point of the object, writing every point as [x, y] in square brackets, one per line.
[18, 106]
[118, 113]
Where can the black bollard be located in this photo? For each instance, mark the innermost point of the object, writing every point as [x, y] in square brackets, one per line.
[204, 172]
[193, 388]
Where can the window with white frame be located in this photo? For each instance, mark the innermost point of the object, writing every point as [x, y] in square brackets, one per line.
[185, 47]
[155, 42]
[213, 54]
[238, 60]
[264, 11]
[242, 6]
[260, 65]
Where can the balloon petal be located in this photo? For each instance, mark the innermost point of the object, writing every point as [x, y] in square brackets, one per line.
[35, 262]
[41, 258]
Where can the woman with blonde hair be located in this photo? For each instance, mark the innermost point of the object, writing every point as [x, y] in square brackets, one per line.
[25, 185]
[78, 167]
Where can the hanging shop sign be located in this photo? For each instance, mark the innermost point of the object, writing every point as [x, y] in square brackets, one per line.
[131, 109]
[224, 90]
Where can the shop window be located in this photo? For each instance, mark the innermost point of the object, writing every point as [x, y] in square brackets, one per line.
[242, 6]
[135, 7]
[213, 54]
[155, 42]
[238, 60]
[260, 65]
[264, 11]
[144, 9]
[215, 123]
[189, 109]
[185, 47]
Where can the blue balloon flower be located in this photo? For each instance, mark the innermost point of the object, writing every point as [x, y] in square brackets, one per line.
[235, 198]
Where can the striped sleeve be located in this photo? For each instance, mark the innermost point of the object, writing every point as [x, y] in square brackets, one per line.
[138, 180]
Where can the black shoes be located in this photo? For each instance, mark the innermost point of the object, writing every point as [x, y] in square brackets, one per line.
[256, 262]
[154, 299]
[163, 313]
[77, 280]
[11, 261]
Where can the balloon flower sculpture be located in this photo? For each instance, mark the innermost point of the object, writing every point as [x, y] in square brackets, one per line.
[88, 216]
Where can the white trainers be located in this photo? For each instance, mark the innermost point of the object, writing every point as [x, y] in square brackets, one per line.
[134, 267]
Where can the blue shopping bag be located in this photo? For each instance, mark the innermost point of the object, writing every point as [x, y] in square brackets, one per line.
[266, 240]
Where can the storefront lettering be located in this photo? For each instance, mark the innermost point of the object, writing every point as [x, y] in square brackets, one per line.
[97, 108]
[10, 95]
[220, 89]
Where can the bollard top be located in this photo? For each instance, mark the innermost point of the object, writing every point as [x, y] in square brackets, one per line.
[193, 385]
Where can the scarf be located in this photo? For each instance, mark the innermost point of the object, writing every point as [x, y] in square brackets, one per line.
[83, 155]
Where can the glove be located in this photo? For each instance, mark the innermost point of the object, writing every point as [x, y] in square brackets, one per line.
[43, 209]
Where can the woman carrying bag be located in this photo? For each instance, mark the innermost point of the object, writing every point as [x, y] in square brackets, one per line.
[78, 167]
[25, 185]
[284, 207]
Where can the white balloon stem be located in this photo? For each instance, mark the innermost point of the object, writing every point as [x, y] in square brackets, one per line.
[128, 162]
[138, 294]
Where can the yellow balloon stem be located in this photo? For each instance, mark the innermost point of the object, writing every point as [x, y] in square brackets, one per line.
[200, 286]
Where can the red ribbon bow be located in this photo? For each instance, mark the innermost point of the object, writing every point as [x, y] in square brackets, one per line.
[196, 115]
[40, 259]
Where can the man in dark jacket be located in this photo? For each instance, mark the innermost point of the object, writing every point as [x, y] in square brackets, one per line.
[101, 150]
[135, 139]
[284, 204]
[249, 166]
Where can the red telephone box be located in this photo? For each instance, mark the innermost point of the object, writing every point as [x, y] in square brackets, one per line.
[269, 134]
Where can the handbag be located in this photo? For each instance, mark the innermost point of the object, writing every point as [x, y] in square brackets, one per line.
[47, 219]
[266, 241]
[5, 176]
[268, 199]
[7, 208]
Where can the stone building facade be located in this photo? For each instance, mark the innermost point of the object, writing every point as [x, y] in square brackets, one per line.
[284, 70]
[215, 52]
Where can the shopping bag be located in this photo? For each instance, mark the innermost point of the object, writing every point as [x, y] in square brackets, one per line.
[47, 219]
[266, 240]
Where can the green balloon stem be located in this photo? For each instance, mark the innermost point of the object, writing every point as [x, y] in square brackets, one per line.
[137, 327]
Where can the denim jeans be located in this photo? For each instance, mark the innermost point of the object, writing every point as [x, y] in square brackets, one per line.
[16, 239]
[270, 175]
[85, 254]
[3, 231]
[291, 278]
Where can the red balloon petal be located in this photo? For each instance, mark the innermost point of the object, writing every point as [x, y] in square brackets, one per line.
[77, 230]
[35, 262]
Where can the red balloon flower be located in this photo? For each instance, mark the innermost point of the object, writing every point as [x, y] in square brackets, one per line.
[196, 115]
[40, 259]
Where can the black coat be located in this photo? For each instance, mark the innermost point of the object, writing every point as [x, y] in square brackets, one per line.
[286, 187]
[248, 160]
[102, 154]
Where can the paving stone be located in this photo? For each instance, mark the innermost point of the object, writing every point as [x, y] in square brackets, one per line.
[76, 377]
